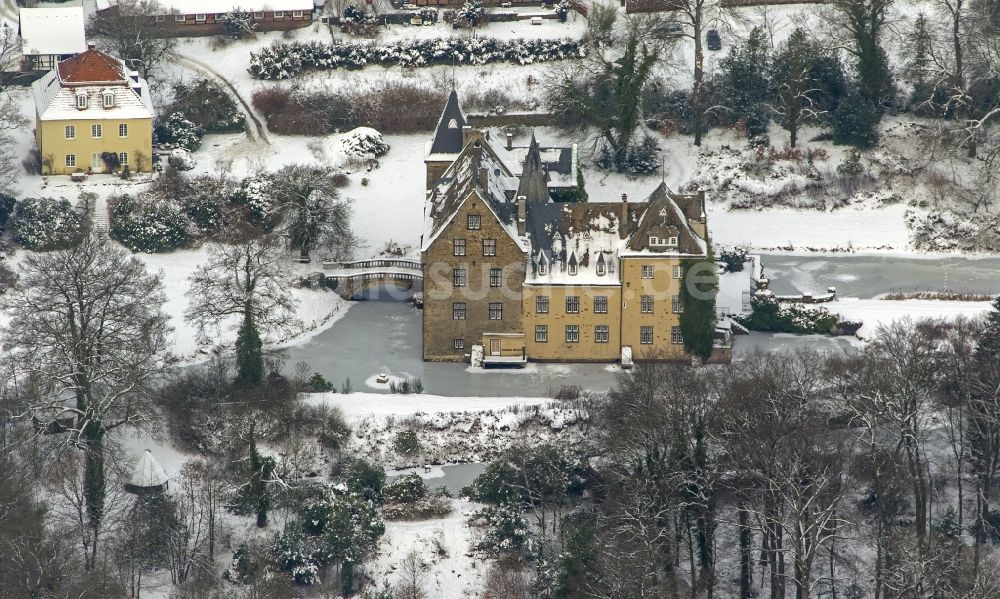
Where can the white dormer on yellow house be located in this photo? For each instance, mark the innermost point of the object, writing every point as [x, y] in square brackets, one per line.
[93, 115]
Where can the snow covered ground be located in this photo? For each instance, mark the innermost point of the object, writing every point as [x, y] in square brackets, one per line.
[876, 312]
[361, 405]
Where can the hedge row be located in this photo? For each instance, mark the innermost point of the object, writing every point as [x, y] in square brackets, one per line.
[286, 60]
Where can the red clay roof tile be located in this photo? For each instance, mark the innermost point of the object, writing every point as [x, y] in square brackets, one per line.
[93, 66]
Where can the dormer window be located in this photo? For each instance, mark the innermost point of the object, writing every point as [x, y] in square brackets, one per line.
[108, 99]
[663, 241]
[600, 269]
[81, 101]
[672, 241]
[654, 241]
[572, 269]
[541, 269]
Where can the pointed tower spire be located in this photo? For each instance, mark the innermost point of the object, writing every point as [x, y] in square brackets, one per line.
[448, 133]
[533, 185]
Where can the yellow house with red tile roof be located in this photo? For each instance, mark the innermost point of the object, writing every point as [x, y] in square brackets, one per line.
[92, 114]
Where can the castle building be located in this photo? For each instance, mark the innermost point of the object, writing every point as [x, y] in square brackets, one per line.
[527, 278]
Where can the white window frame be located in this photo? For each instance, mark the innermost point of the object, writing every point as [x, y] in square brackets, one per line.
[200, 18]
[602, 333]
[496, 277]
[676, 337]
[541, 333]
[81, 101]
[70, 131]
[541, 304]
[459, 277]
[572, 269]
[71, 160]
[646, 304]
[676, 305]
[258, 16]
[496, 311]
[572, 304]
[489, 247]
[458, 343]
[123, 158]
[279, 15]
[678, 271]
[646, 335]
[297, 14]
[180, 18]
[572, 333]
[647, 271]
[108, 99]
[458, 247]
[123, 130]
[458, 310]
[96, 131]
[473, 222]
[600, 304]
[600, 269]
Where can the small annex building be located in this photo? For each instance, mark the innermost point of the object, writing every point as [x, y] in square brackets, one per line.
[50, 34]
[148, 476]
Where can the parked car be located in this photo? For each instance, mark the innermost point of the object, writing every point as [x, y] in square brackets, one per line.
[713, 40]
[670, 29]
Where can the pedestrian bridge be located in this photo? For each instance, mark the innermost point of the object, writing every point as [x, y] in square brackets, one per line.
[349, 278]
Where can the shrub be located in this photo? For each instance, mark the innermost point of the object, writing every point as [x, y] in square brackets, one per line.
[286, 60]
[506, 528]
[205, 104]
[7, 205]
[177, 130]
[319, 111]
[405, 489]
[317, 383]
[855, 122]
[46, 224]
[364, 143]
[238, 22]
[406, 443]
[204, 206]
[148, 225]
[366, 480]
[254, 195]
[637, 159]
[769, 315]
[734, 258]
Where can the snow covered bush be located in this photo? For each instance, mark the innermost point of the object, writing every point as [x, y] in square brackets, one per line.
[769, 315]
[364, 143]
[254, 195]
[177, 130]
[562, 10]
[286, 60]
[206, 104]
[205, 208]
[46, 223]
[734, 258]
[406, 489]
[238, 22]
[148, 224]
[641, 158]
[180, 159]
[471, 13]
[506, 529]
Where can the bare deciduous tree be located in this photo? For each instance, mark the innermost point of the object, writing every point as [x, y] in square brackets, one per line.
[127, 31]
[87, 331]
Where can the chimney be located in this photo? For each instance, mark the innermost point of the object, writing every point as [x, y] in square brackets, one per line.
[510, 141]
[91, 46]
[623, 227]
[522, 214]
[484, 177]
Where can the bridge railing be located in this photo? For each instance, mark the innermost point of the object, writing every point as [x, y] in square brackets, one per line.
[375, 263]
